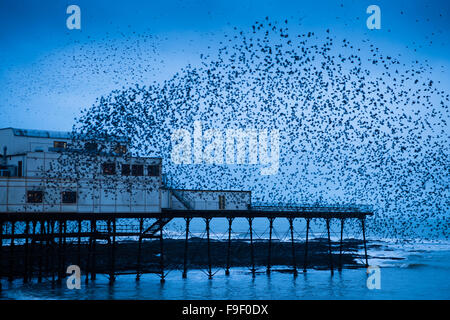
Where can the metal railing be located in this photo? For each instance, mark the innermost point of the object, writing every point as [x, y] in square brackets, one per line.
[180, 198]
[310, 207]
[119, 228]
[167, 183]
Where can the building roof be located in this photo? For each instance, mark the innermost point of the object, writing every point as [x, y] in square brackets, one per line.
[40, 133]
[53, 134]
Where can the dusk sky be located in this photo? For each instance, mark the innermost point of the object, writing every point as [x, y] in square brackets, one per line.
[48, 73]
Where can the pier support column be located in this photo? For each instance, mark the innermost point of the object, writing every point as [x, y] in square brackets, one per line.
[41, 249]
[186, 247]
[161, 243]
[294, 262]
[364, 240]
[112, 237]
[252, 252]
[329, 246]
[89, 252]
[114, 247]
[94, 253]
[340, 245]
[227, 269]
[59, 251]
[269, 253]
[52, 248]
[79, 244]
[305, 260]
[26, 259]
[32, 249]
[47, 247]
[1, 253]
[207, 220]
[141, 229]
[11, 252]
[64, 249]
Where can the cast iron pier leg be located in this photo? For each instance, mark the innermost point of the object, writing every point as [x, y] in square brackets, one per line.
[27, 258]
[79, 244]
[52, 248]
[207, 220]
[55, 250]
[89, 252]
[294, 263]
[47, 249]
[41, 249]
[112, 237]
[11, 252]
[32, 249]
[227, 269]
[186, 246]
[364, 239]
[252, 253]
[114, 251]
[1, 253]
[141, 229]
[59, 251]
[161, 260]
[269, 254]
[64, 253]
[94, 244]
[340, 245]
[305, 260]
[329, 246]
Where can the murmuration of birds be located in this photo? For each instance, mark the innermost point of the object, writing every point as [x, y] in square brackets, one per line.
[356, 126]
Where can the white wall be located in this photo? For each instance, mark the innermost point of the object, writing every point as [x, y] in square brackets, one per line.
[209, 200]
[13, 197]
[103, 194]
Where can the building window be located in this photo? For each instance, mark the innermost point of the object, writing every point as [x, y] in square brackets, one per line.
[69, 197]
[221, 202]
[120, 149]
[35, 196]
[4, 172]
[137, 170]
[109, 168]
[59, 144]
[126, 170]
[91, 146]
[153, 171]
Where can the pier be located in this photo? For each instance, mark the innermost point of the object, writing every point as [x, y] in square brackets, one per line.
[42, 242]
[66, 201]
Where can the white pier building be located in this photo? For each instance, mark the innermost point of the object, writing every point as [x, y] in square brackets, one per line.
[39, 173]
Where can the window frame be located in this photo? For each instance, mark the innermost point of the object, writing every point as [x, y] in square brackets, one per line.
[69, 191]
[104, 167]
[40, 197]
[58, 142]
[134, 167]
[157, 166]
[125, 173]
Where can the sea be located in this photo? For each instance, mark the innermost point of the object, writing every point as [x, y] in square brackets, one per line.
[405, 270]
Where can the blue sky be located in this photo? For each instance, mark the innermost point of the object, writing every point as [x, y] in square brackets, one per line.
[49, 73]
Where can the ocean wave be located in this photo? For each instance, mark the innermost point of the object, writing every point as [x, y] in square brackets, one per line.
[414, 265]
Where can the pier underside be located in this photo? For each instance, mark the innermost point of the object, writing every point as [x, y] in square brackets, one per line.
[41, 245]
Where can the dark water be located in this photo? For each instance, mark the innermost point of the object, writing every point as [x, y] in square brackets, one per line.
[424, 273]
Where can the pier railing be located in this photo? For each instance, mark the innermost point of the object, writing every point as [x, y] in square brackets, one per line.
[316, 208]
